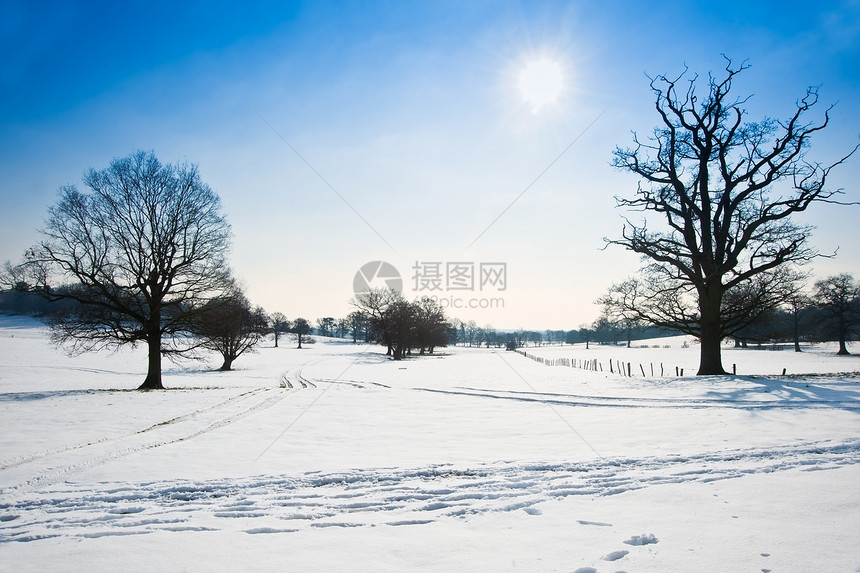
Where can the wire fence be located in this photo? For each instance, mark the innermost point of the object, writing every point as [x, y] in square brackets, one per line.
[612, 366]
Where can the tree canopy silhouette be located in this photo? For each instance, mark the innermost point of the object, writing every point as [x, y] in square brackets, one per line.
[145, 248]
[722, 190]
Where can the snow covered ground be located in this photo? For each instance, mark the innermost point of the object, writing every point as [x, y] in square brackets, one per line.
[333, 458]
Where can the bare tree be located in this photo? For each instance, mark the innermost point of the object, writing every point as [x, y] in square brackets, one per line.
[586, 333]
[230, 326]
[357, 324]
[604, 330]
[300, 328]
[492, 335]
[395, 326]
[326, 326]
[342, 328]
[279, 325]
[471, 329]
[402, 325]
[724, 190]
[432, 327]
[373, 304]
[838, 298]
[795, 305]
[619, 314]
[146, 248]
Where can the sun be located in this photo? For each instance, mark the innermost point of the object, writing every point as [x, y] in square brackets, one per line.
[541, 82]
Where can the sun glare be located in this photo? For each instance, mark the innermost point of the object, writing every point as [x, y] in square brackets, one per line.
[541, 82]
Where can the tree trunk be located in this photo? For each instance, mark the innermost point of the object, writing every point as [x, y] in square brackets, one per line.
[711, 336]
[300, 339]
[228, 364]
[843, 334]
[153, 374]
[795, 328]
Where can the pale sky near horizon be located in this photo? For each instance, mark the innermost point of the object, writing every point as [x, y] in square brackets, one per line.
[338, 133]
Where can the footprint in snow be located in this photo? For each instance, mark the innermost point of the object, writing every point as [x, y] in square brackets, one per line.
[644, 539]
[616, 555]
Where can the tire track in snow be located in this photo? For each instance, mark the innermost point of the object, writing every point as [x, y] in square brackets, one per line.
[13, 462]
[637, 402]
[286, 380]
[49, 467]
[379, 497]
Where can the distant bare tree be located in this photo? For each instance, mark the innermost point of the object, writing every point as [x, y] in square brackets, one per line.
[724, 190]
[357, 325]
[300, 328]
[471, 329]
[374, 304]
[796, 304]
[394, 324]
[604, 330]
[146, 248]
[838, 298]
[230, 326]
[279, 325]
[342, 328]
[432, 328]
[586, 334]
[618, 314]
[402, 325]
[326, 326]
[492, 336]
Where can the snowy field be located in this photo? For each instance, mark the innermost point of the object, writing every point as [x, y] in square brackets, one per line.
[333, 458]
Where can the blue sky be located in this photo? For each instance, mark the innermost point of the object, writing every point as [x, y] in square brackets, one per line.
[338, 133]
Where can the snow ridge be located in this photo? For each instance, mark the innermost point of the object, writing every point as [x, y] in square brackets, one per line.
[378, 497]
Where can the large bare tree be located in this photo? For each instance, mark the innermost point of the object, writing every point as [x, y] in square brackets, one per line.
[723, 190]
[145, 248]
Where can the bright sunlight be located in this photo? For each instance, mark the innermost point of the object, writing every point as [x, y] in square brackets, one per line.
[540, 83]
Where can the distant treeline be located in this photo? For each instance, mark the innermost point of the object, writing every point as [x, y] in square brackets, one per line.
[25, 301]
[808, 324]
